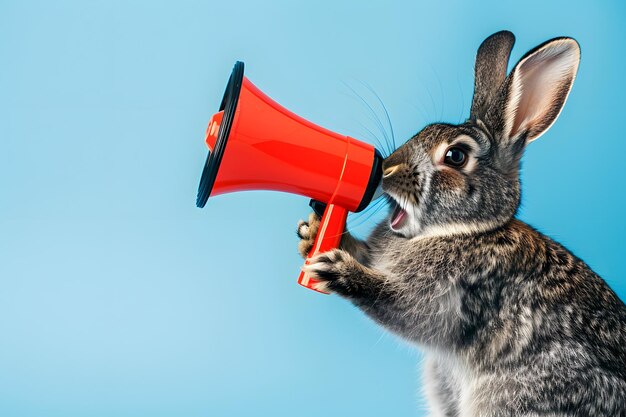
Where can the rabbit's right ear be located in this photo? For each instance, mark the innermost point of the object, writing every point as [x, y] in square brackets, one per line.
[492, 59]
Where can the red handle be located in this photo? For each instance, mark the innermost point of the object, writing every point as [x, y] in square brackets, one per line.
[328, 237]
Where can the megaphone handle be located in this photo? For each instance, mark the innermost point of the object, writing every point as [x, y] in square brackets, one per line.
[328, 237]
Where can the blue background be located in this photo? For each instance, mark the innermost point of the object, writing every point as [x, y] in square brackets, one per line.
[119, 297]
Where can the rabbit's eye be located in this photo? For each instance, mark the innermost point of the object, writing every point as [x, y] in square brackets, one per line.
[455, 157]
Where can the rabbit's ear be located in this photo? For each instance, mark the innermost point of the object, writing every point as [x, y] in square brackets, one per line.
[536, 90]
[492, 59]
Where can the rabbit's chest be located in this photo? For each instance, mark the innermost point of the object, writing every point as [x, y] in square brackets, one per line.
[417, 258]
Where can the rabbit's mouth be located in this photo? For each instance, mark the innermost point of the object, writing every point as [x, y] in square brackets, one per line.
[399, 217]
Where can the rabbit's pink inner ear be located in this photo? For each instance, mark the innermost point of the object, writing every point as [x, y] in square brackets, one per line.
[540, 85]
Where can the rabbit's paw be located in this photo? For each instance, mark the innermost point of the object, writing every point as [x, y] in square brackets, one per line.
[336, 270]
[306, 232]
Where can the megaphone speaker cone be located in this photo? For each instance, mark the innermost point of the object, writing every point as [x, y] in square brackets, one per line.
[256, 144]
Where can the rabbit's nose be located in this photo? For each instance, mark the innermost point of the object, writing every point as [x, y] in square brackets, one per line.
[390, 171]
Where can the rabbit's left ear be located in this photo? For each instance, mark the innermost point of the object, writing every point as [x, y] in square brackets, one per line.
[534, 93]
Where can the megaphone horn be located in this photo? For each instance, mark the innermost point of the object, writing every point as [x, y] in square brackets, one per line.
[256, 144]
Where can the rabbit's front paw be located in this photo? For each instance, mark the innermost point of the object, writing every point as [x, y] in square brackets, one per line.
[307, 231]
[336, 270]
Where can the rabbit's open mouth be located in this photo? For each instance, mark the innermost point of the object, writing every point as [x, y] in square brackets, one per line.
[398, 217]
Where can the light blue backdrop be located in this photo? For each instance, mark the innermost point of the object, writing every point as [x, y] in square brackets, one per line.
[119, 297]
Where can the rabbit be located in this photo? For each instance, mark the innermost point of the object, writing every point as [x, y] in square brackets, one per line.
[510, 321]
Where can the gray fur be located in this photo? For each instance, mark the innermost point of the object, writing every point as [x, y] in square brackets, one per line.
[492, 59]
[513, 323]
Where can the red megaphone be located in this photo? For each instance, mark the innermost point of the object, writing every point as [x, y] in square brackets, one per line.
[256, 144]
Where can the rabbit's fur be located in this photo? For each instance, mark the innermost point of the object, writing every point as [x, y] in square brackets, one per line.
[513, 324]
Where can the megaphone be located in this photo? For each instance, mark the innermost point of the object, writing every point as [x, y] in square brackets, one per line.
[256, 144]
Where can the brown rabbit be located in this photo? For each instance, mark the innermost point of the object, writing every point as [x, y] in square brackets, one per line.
[513, 324]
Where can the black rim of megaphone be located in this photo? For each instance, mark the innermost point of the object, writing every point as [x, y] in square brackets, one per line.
[212, 164]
